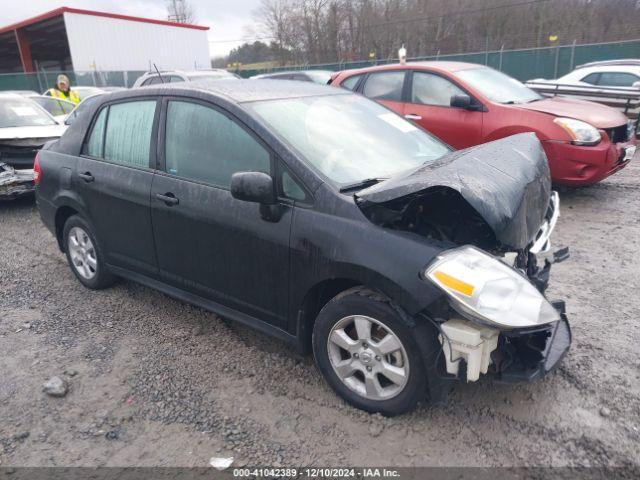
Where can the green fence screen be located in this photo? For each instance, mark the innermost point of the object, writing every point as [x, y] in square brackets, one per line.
[526, 64]
[43, 80]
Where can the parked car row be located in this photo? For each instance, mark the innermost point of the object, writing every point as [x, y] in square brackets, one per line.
[466, 104]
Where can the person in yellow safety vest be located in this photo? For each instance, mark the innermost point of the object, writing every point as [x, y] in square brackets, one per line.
[63, 90]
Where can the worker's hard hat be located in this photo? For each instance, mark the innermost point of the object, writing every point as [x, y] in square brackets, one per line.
[63, 79]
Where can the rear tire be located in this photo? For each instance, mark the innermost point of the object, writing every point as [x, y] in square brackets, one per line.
[84, 255]
[368, 353]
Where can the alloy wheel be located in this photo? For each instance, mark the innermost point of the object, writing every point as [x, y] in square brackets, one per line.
[82, 253]
[368, 357]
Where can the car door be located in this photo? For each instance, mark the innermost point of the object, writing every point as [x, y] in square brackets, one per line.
[429, 105]
[113, 178]
[385, 87]
[208, 242]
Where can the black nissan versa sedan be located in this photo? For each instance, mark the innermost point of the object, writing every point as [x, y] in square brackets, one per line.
[324, 219]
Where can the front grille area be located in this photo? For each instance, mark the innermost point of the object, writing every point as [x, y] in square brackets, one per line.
[618, 134]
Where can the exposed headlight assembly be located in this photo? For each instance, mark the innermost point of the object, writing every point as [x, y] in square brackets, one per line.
[485, 289]
[581, 133]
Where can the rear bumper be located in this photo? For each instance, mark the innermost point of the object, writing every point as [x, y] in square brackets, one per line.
[576, 165]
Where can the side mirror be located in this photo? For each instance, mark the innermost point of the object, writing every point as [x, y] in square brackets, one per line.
[636, 84]
[461, 101]
[253, 187]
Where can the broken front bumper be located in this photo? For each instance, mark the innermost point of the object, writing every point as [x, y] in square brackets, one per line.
[523, 356]
[15, 183]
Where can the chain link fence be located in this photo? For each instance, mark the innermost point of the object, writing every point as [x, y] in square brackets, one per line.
[43, 80]
[525, 64]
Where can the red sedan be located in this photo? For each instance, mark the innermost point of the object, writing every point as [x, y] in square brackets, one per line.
[465, 104]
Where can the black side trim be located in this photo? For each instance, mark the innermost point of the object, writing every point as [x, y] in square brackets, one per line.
[214, 307]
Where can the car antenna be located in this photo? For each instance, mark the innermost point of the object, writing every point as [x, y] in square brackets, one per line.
[159, 76]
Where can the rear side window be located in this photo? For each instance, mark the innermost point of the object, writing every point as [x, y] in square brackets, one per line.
[205, 145]
[94, 144]
[617, 79]
[151, 81]
[430, 89]
[351, 82]
[592, 78]
[128, 133]
[384, 86]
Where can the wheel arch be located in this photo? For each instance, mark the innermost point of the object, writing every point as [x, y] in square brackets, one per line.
[324, 291]
[62, 215]
[66, 206]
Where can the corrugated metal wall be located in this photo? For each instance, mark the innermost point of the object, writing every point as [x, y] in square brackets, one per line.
[110, 44]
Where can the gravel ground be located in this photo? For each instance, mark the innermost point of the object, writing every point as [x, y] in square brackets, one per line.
[153, 381]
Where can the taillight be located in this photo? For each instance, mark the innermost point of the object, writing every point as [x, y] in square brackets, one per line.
[36, 170]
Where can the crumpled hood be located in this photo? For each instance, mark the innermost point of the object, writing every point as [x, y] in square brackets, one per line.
[506, 181]
[600, 116]
[39, 132]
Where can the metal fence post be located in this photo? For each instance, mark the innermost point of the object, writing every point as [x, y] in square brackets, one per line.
[500, 59]
[573, 54]
[38, 77]
[486, 50]
[555, 69]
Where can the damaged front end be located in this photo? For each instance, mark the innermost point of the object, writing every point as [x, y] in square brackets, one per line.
[20, 152]
[15, 183]
[494, 204]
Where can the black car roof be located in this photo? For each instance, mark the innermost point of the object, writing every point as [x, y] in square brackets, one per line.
[241, 91]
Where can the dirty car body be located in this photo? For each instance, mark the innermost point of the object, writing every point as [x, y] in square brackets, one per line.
[336, 226]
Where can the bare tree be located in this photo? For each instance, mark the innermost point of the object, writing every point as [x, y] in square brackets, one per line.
[180, 11]
[319, 31]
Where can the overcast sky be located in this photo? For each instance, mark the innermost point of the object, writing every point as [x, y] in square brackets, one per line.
[227, 19]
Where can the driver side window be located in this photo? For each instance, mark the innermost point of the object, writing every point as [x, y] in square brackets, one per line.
[430, 89]
[205, 145]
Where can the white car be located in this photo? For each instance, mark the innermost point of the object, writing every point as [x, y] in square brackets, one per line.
[611, 73]
[24, 128]
[172, 76]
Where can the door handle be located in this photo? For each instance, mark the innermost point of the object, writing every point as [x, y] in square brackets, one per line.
[87, 177]
[412, 116]
[168, 198]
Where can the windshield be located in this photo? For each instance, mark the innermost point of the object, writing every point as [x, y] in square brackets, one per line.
[84, 92]
[319, 76]
[82, 106]
[22, 112]
[54, 106]
[497, 86]
[349, 138]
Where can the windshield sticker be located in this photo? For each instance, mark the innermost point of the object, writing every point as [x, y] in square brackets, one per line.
[398, 122]
[24, 111]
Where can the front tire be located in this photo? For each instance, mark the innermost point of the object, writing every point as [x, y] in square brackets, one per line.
[84, 254]
[368, 353]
